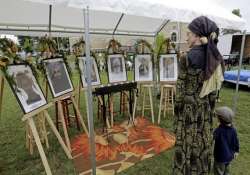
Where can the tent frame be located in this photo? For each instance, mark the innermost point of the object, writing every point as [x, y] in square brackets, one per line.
[87, 34]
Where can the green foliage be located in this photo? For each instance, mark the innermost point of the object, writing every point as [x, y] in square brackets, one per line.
[142, 46]
[237, 12]
[28, 45]
[47, 44]
[8, 50]
[159, 41]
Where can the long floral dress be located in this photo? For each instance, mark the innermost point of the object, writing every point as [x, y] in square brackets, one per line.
[193, 123]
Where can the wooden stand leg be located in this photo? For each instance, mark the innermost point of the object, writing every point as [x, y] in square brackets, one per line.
[111, 111]
[60, 111]
[79, 94]
[1, 93]
[143, 101]
[52, 126]
[166, 102]
[151, 104]
[172, 100]
[39, 145]
[29, 139]
[43, 129]
[160, 107]
[79, 114]
[135, 106]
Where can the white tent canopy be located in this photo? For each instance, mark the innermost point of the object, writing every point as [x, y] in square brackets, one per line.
[125, 17]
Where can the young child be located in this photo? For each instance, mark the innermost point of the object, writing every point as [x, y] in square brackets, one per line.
[226, 146]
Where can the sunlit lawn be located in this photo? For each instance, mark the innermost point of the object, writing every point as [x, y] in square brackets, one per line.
[15, 159]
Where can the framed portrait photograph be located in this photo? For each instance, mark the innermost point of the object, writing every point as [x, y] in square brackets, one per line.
[168, 67]
[57, 76]
[116, 68]
[25, 87]
[143, 67]
[95, 78]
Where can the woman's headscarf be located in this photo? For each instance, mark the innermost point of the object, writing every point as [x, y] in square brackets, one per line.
[209, 32]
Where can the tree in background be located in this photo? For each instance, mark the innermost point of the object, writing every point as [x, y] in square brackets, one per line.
[231, 31]
[159, 40]
[28, 45]
[237, 12]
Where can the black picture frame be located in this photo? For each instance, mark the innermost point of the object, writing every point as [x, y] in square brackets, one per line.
[10, 80]
[160, 73]
[123, 65]
[71, 87]
[97, 71]
[152, 62]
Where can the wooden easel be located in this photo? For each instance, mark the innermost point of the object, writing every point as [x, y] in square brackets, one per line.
[58, 100]
[144, 86]
[29, 118]
[167, 89]
[78, 95]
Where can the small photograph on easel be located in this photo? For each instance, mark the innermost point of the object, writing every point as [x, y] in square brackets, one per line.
[25, 87]
[143, 67]
[95, 78]
[168, 67]
[116, 68]
[57, 76]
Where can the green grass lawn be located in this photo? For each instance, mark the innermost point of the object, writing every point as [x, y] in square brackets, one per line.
[15, 159]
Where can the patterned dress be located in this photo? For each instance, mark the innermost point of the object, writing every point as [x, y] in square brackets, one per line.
[193, 123]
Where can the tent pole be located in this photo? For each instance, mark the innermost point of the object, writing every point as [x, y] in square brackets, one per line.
[179, 37]
[72, 33]
[236, 96]
[89, 91]
[119, 21]
[50, 13]
[165, 22]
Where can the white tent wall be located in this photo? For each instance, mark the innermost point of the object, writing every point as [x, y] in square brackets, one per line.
[225, 44]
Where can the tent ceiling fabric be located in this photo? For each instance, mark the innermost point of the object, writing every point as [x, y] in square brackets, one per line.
[140, 17]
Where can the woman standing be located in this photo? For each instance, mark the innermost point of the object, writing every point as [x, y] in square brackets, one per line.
[200, 77]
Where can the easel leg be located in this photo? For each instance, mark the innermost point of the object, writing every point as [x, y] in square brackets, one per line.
[60, 111]
[52, 126]
[39, 146]
[143, 101]
[135, 105]
[160, 107]
[111, 110]
[151, 103]
[172, 100]
[79, 94]
[43, 130]
[1, 93]
[79, 114]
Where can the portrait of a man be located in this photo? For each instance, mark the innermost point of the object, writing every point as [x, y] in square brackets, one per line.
[58, 76]
[116, 68]
[143, 67]
[25, 87]
[95, 78]
[168, 67]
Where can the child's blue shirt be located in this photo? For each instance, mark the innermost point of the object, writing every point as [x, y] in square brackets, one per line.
[226, 143]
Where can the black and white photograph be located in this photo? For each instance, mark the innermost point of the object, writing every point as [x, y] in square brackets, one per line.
[168, 67]
[25, 87]
[143, 68]
[95, 78]
[116, 68]
[58, 76]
